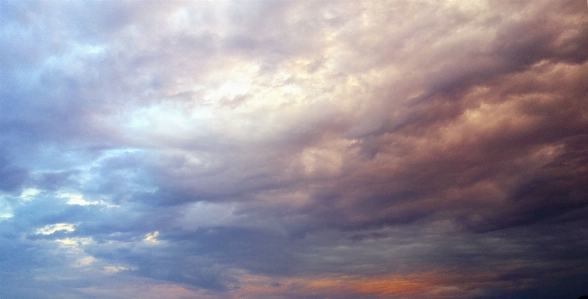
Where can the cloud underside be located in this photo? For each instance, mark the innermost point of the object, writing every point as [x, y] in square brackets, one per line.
[293, 149]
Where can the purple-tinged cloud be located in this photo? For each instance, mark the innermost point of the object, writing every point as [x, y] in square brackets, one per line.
[293, 149]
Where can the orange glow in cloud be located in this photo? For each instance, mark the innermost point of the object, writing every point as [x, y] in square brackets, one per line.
[424, 285]
[396, 286]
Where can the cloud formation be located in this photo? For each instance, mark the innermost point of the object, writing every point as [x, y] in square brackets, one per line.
[293, 149]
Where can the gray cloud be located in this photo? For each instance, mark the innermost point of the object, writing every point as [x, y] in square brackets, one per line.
[297, 149]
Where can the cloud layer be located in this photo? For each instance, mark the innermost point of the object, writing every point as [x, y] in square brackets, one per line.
[294, 149]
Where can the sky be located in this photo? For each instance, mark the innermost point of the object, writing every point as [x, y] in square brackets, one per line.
[294, 149]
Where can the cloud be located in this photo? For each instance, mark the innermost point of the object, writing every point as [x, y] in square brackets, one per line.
[12, 177]
[292, 149]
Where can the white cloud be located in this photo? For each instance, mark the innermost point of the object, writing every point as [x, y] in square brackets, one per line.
[151, 237]
[78, 199]
[29, 194]
[6, 211]
[52, 228]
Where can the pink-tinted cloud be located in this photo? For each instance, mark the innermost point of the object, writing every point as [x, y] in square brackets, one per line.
[294, 149]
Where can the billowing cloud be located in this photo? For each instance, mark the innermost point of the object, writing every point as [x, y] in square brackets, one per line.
[293, 149]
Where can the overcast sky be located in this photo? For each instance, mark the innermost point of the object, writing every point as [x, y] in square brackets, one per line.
[293, 149]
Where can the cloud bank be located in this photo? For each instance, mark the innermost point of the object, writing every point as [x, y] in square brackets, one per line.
[293, 149]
